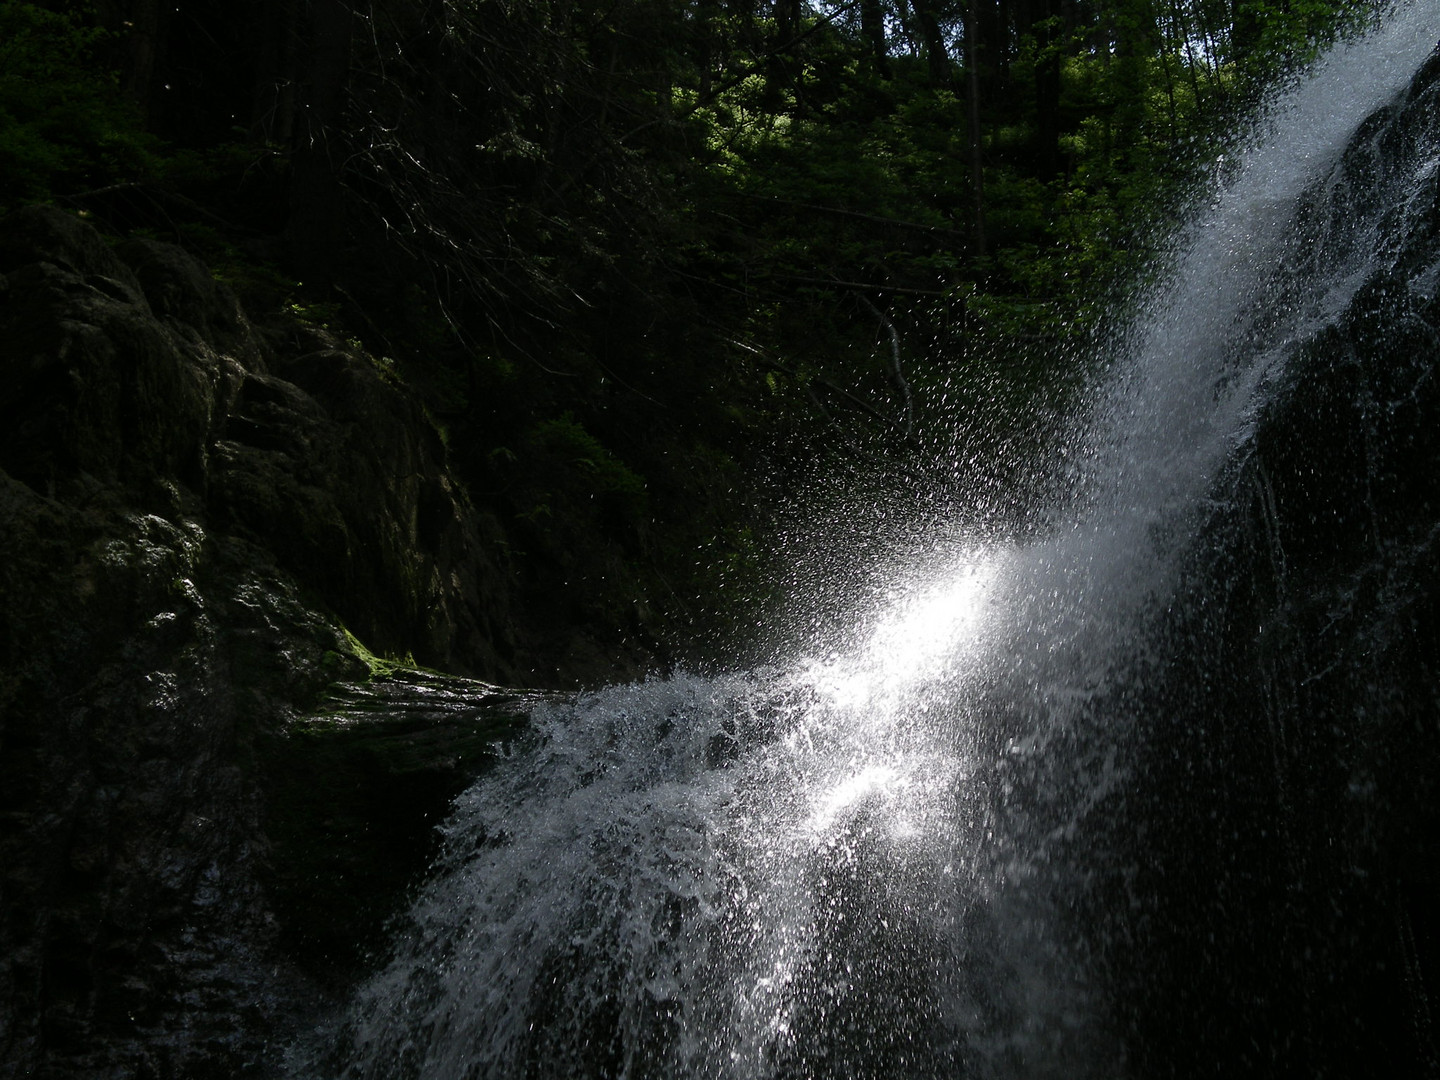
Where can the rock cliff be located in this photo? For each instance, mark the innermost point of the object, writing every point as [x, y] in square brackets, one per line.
[194, 509]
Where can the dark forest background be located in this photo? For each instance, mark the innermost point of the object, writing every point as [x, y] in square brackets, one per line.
[667, 275]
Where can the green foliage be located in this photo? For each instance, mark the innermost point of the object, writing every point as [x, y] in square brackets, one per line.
[600, 471]
[63, 125]
[628, 251]
[317, 313]
[198, 168]
[1270, 36]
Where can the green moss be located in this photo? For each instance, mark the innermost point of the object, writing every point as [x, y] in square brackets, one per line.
[380, 667]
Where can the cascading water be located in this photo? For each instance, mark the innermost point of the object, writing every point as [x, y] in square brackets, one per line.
[1045, 811]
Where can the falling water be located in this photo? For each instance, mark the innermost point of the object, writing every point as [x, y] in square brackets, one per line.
[924, 852]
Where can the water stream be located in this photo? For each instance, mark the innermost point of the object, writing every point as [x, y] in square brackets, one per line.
[927, 852]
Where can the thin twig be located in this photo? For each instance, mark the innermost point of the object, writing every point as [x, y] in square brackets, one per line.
[838, 284]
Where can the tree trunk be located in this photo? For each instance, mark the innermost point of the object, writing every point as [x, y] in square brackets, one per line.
[316, 229]
[1135, 32]
[977, 171]
[782, 67]
[1049, 42]
[273, 102]
[144, 43]
[937, 57]
[872, 27]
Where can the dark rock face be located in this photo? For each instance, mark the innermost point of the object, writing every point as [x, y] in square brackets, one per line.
[133, 932]
[134, 367]
[1285, 920]
[180, 493]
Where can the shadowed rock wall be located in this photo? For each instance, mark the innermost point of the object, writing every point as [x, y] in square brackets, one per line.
[1281, 890]
[190, 506]
[131, 373]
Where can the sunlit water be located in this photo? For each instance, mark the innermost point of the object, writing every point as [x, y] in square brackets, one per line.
[858, 864]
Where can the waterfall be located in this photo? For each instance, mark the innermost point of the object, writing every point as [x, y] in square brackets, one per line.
[973, 838]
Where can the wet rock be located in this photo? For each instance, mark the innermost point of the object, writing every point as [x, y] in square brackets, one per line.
[361, 782]
[181, 290]
[133, 925]
[188, 514]
[1285, 906]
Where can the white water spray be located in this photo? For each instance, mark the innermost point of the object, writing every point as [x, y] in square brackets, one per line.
[821, 871]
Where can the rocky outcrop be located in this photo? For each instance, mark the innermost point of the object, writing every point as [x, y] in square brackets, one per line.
[191, 508]
[1284, 885]
[133, 368]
